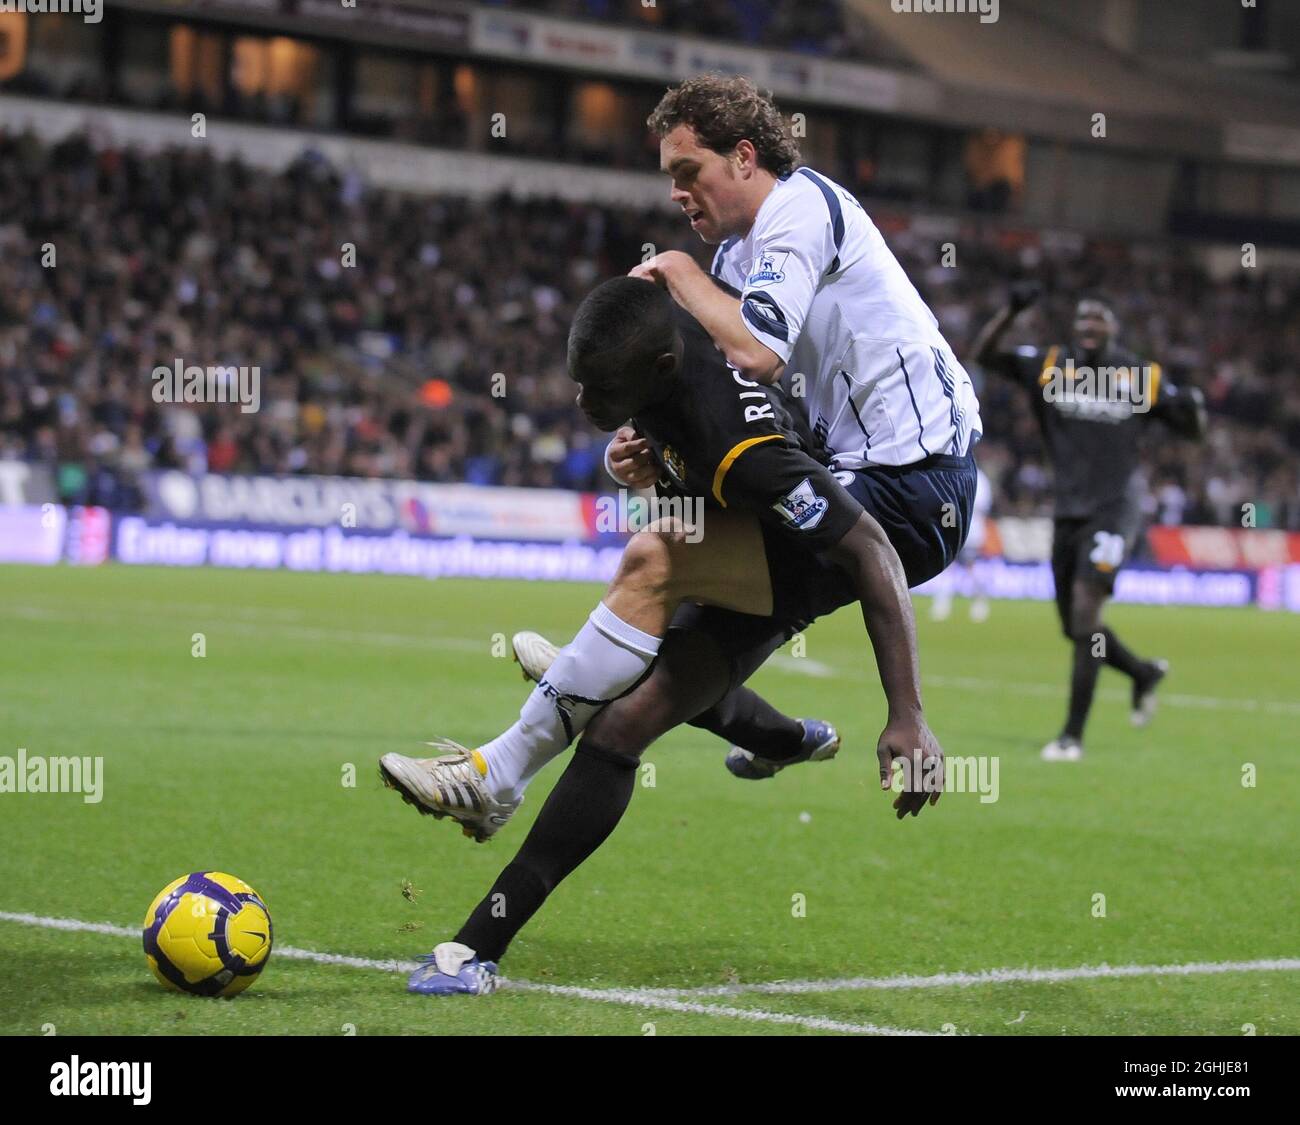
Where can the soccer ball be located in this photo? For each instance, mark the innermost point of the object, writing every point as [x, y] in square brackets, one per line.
[207, 933]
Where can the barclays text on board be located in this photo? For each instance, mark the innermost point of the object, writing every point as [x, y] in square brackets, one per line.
[139, 541]
[1015, 569]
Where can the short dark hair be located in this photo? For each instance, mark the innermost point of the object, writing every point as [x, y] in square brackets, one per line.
[627, 320]
[724, 110]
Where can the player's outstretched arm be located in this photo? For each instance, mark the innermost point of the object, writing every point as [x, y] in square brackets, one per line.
[868, 557]
[800, 498]
[717, 310]
[986, 349]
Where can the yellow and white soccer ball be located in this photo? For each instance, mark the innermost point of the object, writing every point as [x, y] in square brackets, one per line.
[207, 933]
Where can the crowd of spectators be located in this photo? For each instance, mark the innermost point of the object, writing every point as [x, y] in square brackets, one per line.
[423, 337]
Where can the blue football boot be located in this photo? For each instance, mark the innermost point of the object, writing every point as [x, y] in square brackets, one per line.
[821, 742]
[453, 968]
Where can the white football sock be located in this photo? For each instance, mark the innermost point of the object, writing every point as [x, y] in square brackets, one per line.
[605, 659]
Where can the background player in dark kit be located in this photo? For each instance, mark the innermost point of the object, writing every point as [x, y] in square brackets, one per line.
[1092, 442]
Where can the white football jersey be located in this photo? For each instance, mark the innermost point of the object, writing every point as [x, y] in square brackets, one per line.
[822, 290]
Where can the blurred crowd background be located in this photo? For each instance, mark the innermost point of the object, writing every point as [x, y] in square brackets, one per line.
[385, 367]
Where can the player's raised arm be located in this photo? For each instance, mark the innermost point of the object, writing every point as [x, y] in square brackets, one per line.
[718, 311]
[792, 491]
[987, 350]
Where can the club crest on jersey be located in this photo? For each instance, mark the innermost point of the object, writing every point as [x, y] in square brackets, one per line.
[769, 269]
[801, 507]
[674, 464]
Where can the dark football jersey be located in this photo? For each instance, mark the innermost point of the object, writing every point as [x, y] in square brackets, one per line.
[738, 445]
[1092, 419]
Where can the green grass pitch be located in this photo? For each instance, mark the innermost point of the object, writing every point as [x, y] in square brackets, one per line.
[238, 761]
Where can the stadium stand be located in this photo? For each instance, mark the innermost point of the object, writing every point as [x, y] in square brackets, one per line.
[385, 368]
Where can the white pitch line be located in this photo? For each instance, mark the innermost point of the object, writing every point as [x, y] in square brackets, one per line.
[68, 924]
[792, 665]
[988, 976]
[1200, 702]
[800, 665]
[639, 998]
[287, 630]
[670, 998]
[780, 662]
[630, 997]
[831, 984]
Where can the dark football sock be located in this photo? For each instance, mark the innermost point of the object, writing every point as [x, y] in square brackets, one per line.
[746, 719]
[1124, 659]
[582, 810]
[1083, 685]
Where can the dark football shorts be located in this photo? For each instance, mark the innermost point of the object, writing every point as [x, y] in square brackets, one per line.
[1093, 548]
[925, 509]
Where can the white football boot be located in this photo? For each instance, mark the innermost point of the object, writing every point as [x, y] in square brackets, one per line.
[534, 654]
[450, 785]
[1062, 749]
[1144, 694]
